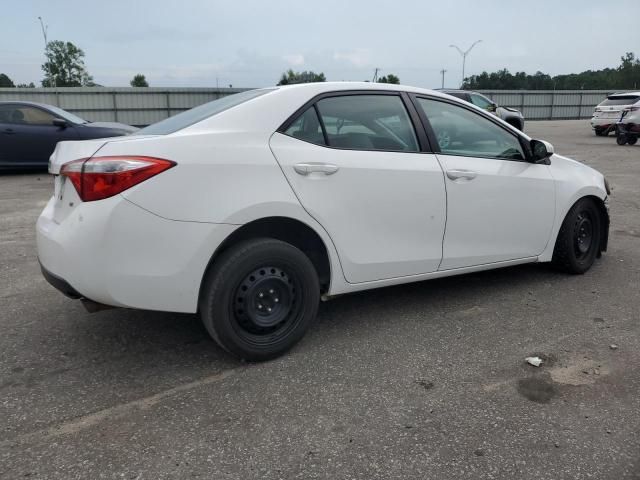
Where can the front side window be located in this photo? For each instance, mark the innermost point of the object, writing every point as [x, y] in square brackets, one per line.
[368, 122]
[23, 115]
[481, 101]
[463, 132]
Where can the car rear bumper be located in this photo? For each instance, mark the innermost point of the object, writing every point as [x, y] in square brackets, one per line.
[602, 123]
[115, 253]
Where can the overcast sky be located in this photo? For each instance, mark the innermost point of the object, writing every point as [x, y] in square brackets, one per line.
[249, 43]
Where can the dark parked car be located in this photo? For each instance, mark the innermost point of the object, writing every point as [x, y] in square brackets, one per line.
[29, 132]
[510, 115]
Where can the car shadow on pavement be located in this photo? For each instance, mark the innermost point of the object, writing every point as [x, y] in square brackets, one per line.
[181, 338]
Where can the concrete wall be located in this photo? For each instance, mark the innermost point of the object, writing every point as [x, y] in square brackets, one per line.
[143, 106]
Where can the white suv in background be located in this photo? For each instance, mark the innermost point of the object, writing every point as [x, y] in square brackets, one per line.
[608, 112]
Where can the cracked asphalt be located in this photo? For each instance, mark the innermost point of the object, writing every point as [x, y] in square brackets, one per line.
[424, 381]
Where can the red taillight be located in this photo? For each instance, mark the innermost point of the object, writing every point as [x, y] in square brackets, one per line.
[103, 177]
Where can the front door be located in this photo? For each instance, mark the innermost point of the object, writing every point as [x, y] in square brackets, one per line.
[499, 206]
[355, 164]
[28, 136]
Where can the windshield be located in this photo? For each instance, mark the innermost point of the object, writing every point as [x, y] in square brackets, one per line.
[58, 112]
[197, 114]
[621, 100]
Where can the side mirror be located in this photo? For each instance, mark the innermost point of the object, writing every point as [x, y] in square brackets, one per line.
[541, 151]
[59, 122]
[493, 107]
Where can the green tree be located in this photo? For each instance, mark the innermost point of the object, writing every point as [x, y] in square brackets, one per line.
[290, 77]
[26, 85]
[626, 76]
[391, 78]
[5, 81]
[65, 66]
[139, 80]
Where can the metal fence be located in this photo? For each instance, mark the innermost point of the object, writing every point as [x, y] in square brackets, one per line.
[133, 106]
[550, 104]
[143, 106]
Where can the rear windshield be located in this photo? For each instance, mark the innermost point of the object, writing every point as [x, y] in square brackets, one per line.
[195, 115]
[621, 100]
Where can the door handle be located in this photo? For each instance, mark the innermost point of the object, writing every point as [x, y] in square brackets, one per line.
[312, 167]
[8, 131]
[458, 174]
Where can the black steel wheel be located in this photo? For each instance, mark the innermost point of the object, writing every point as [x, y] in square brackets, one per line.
[578, 241]
[259, 298]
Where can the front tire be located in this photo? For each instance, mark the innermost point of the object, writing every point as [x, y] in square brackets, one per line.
[621, 140]
[601, 132]
[259, 298]
[578, 242]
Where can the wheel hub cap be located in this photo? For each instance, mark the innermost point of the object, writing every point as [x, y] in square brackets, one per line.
[583, 234]
[264, 299]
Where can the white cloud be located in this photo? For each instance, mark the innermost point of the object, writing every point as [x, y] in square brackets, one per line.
[295, 59]
[359, 57]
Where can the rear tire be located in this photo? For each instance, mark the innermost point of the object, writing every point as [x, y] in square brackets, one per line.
[578, 242]
[259, 298]
[632, 140]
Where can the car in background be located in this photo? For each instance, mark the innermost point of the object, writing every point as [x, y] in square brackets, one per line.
[608, 112]
[510, 115]
[29, 132]
[251, 208]
[628, 127]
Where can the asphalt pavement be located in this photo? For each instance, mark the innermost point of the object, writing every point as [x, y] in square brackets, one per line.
[424, 381]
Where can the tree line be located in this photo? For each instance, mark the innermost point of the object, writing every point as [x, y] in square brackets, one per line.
[65, 67]
[624, 77]
[290, 78]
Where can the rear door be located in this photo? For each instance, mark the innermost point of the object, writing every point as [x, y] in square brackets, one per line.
[360, 168]
[499, 206]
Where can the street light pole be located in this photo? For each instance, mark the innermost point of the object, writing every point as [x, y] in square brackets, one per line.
[46, 42]
[464, 54]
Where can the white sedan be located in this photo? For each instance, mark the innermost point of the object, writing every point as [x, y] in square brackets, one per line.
[251, 208]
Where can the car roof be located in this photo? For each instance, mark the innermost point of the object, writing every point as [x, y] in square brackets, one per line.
[325, 87]
[623, 94]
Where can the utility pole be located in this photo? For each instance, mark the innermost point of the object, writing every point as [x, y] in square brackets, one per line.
[443, 71]
[45, 28]
[375, 75]
[464, 56]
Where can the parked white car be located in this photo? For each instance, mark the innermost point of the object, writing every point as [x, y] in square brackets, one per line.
[251, 208]
[608, 112]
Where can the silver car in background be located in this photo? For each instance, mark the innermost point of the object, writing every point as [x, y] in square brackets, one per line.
[608, 112]
[510, 115]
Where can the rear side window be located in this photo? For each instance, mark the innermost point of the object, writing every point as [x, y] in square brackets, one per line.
[307, 127]
[197, 114]
[620, 100]
[368, 122]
